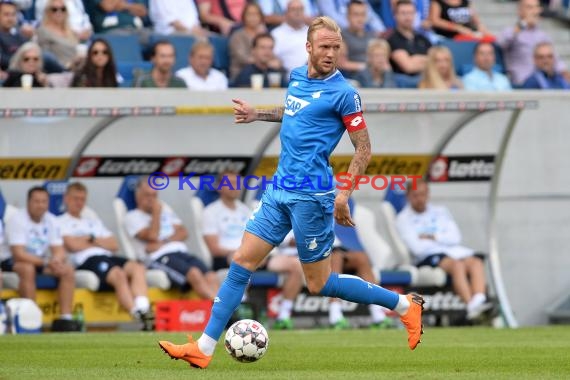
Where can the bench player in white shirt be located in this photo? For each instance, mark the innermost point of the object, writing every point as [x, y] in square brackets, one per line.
[91, 246]
[36, 247]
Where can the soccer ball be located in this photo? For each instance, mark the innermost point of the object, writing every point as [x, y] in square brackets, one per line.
[246, 341]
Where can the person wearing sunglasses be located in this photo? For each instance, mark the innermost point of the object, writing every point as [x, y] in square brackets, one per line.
[55, 34]
[26, 61]
[99, 69]
[78, 18]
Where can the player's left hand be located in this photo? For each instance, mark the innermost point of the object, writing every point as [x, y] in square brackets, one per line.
[342, 212]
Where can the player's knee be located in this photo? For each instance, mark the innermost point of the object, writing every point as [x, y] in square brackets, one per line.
[245, 261]
[315, 286]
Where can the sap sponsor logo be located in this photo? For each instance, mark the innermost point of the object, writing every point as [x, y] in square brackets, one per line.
[310, 304]
[357, 103]
[294, 105]
[443, 301]
[193, 317]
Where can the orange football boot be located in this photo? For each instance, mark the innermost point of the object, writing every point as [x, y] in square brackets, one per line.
[412, 320]
[188, 352]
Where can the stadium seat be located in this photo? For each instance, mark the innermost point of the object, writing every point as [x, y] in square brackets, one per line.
[182, 45]
[130, 70]
[221, 53]
[124, 202]
[462, 52]
[126, 47]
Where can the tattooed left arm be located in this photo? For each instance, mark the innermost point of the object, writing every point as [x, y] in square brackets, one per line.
[362, 155]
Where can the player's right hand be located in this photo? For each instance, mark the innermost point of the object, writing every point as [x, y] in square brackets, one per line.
[243, 112]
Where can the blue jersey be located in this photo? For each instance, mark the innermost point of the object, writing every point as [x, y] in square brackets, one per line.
[317, 112]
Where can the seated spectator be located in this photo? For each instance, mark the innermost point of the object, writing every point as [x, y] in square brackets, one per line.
[241, 41]
[457, 19]
[99, 69]
[344, 260]
[223, 227]
[36, 248]
[409, 48]
[337, 10]
[160, 238]
[377, 73]
[264, 62]
[433, 238]
[55, 35]
[176, 17]
[91, 246]
[483, 77]
[200, 75]
[163, 58]
[78, 18]
[275, 11]
[291, 36]
[27, 61]
[221, 15]
[439, 73]
[518, 43]
[116, 15]
[545, 76]
[355, 39]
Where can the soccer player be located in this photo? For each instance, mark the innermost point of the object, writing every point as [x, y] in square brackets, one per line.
[320, 105]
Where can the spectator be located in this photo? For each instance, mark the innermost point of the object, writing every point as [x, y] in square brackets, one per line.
[10, 38]
[221, 15]
[55, 35]
[454, 18]
[439, 73]
[118, 16]
[291, 36]
[377, 73]
[160, 238]
[78, 18]
[26, 61]
[518, 43]
[483, 77]
[36, 248]
[432, 236]
[163, 58]
[91, 246]
[355, 39]
[223, 226]
[264, 62]
[344, 260]
[409, 48]
[99, 69]
[337, 10]
[241, 41]
[275, 11]
[200, 75]
[545, 76]
[176, 17]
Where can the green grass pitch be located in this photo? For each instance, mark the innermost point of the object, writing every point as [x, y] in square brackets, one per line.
[453, 353]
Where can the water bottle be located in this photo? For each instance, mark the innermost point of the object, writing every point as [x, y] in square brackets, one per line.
[79, 317]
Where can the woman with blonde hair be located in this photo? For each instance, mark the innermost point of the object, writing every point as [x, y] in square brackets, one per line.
[439, 73]
[377, 73]
[55, 34]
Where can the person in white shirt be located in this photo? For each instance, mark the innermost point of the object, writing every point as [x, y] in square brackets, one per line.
[291, 36]
[160, 238]
[91, 245]
[223, 226]
[36, 247]
[175, 17]
[200, 75]
[434, 239]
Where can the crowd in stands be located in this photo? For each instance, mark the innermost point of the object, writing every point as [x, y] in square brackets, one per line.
[216, 44]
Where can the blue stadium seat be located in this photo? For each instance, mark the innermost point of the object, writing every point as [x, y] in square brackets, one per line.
[127, 191]
[126, 47]
[2, 206]
[207, 196]
[396, 197]
[462, 52]
[56, 191]
[221, 53]
[127, 71]
[182, 44]
[347, 235]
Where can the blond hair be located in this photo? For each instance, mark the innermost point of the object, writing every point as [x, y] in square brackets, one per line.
[431, 78]
[66, 26]
[322, 22]
[378, 44]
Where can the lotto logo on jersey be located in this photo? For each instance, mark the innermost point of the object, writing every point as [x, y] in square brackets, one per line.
[294, 105]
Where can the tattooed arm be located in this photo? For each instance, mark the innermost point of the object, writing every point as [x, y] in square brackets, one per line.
[244, 113]
[361, 142]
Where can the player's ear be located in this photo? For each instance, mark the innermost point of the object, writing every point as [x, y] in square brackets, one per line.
[308, 47]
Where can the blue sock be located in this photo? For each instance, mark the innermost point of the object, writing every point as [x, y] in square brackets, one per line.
[355, 289]
[228, 299]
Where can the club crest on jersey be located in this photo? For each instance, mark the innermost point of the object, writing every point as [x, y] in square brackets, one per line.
[294, 105]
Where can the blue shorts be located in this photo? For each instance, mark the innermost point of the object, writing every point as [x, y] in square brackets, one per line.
[309, 215]
[101, 265]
